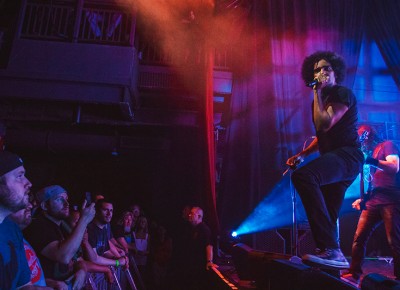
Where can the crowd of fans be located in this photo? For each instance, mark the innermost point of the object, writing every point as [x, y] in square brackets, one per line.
[86, 247]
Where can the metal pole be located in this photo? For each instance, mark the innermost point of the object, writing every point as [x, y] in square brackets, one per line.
[294, 218]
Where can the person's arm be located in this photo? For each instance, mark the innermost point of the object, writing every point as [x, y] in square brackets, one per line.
[390, 165]
[96, 268]
[63, 251]
[58, 285]
[107, 261]
[127, 246]
[296, 159]
[326, 118]
[113, 251]
[88, 252]
[209, 255]
[118, 247]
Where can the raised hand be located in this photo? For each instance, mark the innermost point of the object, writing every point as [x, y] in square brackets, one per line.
[87, 212]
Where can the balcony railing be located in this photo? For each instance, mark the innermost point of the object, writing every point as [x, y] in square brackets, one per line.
[100, 22]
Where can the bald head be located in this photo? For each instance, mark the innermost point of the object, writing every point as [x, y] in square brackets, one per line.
[196, 216]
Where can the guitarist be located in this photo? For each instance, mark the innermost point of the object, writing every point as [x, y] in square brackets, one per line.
[383, 204]
[369, 140]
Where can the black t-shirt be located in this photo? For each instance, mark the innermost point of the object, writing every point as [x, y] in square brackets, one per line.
[195, 249]
[344, 132]
[39, 234]
[98, 238]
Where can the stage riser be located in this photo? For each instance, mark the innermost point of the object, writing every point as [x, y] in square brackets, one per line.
[275, 271]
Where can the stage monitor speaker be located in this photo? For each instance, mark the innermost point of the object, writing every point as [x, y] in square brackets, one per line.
[374, 281]
[287, 275]
[253, 265]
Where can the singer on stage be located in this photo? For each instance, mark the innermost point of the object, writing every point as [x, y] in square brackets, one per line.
[322, 183]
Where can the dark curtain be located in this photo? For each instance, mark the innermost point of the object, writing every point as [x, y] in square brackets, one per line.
[383, 26]
[270, 110]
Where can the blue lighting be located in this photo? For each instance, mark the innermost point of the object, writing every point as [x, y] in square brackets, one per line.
[273, 212]
[276, 210]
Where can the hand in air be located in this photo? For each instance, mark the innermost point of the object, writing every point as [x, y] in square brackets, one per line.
[87, 212]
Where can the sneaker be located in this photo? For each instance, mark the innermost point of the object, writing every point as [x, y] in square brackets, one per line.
[328, 257]
[351, 278]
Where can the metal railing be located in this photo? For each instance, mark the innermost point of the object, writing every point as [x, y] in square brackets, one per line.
[103, 22]
[78, 21]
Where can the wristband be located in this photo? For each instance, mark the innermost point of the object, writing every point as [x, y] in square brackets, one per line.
[117, 263]
[372, 161]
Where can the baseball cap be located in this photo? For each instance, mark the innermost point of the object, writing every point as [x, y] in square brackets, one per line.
[9, 161]
[48, 192]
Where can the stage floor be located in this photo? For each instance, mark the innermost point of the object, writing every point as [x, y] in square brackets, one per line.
[378, 265]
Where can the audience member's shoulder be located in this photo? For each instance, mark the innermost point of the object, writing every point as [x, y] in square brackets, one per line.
[204, 226]
[8, 223]
[9, 228]
[91, 226]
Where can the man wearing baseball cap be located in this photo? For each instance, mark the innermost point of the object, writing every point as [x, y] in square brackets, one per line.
[14, 189]
[55, 244]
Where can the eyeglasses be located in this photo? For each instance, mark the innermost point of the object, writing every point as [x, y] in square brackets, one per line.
[327, 68]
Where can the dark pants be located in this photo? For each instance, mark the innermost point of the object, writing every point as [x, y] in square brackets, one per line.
[368, 222]
[321, 185]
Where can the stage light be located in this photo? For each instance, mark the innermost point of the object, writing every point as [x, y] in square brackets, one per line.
[234, 234]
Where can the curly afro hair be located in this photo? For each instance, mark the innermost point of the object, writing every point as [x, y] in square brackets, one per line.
[336, 61]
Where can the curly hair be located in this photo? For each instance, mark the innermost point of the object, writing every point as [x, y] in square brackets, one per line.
[337, 63]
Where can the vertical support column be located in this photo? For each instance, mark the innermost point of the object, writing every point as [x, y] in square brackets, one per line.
[20, 20]
[78, 19]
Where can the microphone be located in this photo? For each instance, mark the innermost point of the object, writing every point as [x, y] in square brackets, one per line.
[313, 83]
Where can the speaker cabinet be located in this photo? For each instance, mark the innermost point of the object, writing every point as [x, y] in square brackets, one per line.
[286, 275]
[254, 265]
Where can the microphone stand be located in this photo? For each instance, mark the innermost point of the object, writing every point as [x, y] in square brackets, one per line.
[294, 235]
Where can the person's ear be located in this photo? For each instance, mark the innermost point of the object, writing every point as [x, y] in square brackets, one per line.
[43, 205]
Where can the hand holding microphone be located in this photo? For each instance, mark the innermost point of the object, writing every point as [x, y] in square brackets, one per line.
[319, 79]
